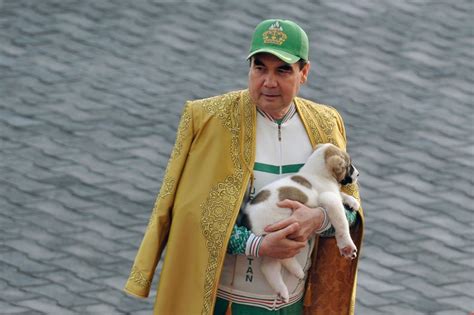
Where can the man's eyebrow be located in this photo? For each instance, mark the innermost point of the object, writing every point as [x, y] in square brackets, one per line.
[258, 62]
[285, 67]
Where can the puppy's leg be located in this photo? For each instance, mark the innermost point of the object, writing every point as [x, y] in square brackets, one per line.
[271, 269]
[350, 201]
[333, 204]
[292, 265]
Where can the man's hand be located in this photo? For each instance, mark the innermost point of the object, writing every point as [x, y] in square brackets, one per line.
[308, 220]
[278, 245]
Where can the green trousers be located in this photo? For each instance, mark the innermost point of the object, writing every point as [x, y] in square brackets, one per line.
[241, 309]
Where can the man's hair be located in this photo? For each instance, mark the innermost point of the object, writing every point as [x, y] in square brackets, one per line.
[300, 62]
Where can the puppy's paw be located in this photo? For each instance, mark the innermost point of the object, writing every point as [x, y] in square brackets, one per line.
[352, 203]
[284, 295]
[300, 274]
[348, 252]
[347, 248]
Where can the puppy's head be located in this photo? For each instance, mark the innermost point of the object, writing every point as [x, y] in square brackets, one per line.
[339, 165]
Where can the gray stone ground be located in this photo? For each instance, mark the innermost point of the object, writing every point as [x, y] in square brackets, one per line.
[91, 93]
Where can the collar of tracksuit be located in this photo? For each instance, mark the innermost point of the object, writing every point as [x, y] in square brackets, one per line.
[291, 112]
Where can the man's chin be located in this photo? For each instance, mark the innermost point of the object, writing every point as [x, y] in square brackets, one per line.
[269, 100]
[265, 105]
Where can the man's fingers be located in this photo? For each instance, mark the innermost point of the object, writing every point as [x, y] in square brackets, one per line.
[287, 203]
[296, 237]
[278, 225]
[292, 228]
[298, 245]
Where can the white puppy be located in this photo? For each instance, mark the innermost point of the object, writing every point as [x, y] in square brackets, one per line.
[317, 184]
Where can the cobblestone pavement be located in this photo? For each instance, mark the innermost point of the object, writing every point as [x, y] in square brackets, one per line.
[91, 93]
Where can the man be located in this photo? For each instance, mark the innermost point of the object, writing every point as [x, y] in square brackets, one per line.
[227, 147]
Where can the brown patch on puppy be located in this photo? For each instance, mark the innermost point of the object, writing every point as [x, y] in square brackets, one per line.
[301, 180]
[337, 161]
[292, 193]
[261, 196]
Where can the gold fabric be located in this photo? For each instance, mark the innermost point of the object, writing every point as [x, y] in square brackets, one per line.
[203, 187]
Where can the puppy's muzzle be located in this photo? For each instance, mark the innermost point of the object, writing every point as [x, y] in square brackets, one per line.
[351, 176]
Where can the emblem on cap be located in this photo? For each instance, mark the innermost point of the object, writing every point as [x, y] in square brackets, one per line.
[274, 35]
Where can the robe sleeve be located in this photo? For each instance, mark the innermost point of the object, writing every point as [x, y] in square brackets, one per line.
[156, 234]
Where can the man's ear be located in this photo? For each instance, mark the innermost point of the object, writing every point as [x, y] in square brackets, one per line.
[305, 72]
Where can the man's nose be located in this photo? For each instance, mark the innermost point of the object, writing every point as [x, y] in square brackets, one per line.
[270, 81]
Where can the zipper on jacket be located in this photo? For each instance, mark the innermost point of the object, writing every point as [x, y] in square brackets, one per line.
[281, 149]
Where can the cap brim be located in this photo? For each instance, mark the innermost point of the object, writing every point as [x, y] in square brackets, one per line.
[282, 55]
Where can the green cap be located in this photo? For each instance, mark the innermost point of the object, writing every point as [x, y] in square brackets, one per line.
[283, 38]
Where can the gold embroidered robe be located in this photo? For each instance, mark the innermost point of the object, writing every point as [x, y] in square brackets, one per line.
[203, 187]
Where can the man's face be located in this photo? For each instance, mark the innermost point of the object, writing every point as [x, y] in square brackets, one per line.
[274, 83]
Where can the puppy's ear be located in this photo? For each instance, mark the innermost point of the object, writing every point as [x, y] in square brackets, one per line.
[337, 165]
[337, 162]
